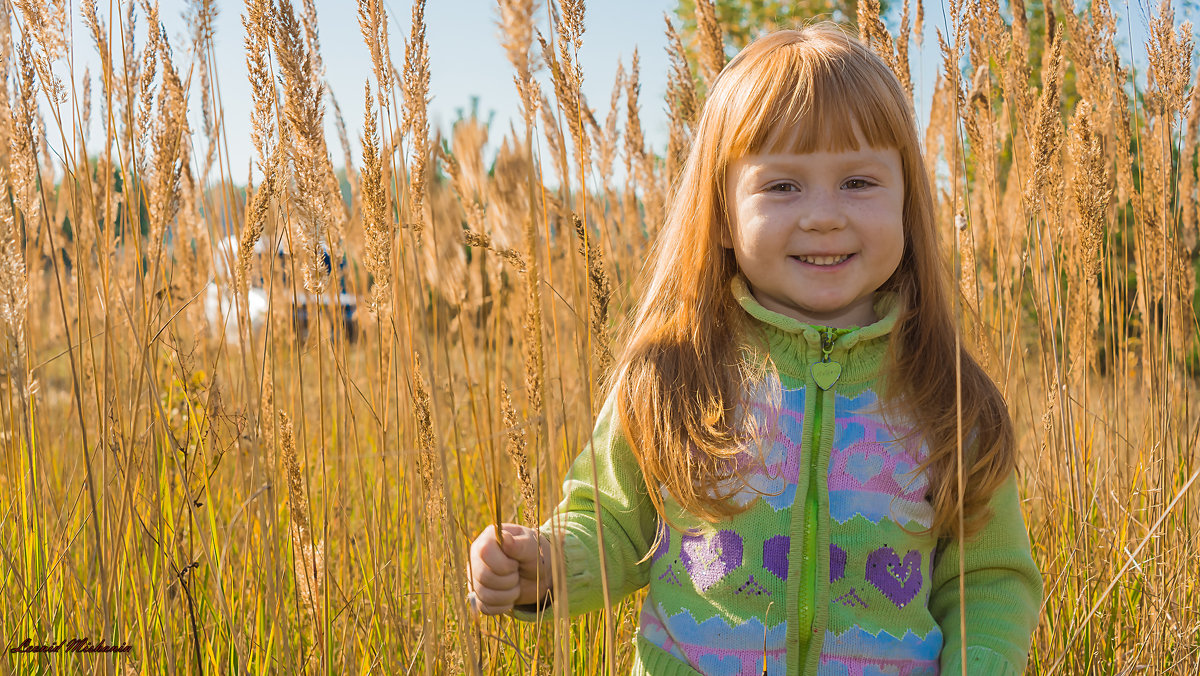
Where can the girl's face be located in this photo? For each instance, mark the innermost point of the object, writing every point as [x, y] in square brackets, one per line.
[816, 234]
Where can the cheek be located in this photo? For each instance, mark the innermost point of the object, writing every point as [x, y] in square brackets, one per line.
[897, 244]
[752, 246]
[757, 232]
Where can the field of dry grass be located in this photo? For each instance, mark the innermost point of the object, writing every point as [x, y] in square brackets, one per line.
[267, 498]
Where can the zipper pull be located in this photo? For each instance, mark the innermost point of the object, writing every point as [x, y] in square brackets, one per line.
[826, 372]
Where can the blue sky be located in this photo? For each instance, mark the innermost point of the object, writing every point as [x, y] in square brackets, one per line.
[467, 61]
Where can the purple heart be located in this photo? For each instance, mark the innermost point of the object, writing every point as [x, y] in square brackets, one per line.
[775, 555]
[708, 560]
[898, 580]
[664, 541]
[837, 563]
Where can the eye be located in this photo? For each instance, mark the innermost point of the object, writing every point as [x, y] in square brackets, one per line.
[782, 187]
[857, 183]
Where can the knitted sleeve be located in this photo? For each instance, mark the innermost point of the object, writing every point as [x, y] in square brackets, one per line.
[1002, 597]
[607, 494]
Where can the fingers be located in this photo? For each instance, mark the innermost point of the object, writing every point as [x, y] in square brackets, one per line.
[494, 574]
[492, 602]
[523, 545]
[489, 553]
[500, 574]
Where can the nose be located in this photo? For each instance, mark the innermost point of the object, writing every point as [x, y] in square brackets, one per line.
[822, 212]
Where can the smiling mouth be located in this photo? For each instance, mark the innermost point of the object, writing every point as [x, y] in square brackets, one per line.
[823, 260]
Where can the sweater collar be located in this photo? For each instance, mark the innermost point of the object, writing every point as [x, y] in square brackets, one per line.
[795, 345]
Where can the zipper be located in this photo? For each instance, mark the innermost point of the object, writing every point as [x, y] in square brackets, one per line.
[825, 374]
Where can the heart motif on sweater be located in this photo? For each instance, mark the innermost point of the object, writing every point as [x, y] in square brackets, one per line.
[864, 467]
[826, 373]
[709, 560]
[898, 580]
[837, 563]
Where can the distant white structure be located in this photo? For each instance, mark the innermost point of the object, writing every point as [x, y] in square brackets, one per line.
[220, 306]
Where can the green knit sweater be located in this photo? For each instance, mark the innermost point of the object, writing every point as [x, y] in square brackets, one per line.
[828, 570]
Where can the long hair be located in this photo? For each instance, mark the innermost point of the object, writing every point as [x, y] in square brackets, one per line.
[680, 377]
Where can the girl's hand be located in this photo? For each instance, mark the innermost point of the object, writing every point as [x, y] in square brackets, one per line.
[517, 573]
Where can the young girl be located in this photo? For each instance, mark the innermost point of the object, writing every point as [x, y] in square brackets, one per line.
[779, 458]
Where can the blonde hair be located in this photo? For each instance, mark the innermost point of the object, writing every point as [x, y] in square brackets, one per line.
[681, 376]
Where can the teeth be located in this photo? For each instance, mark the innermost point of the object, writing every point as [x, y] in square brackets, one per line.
[823, 260]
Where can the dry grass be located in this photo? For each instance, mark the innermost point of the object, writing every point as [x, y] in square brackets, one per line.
[283, 501]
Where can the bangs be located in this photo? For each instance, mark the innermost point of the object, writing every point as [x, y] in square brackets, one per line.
[810, 96]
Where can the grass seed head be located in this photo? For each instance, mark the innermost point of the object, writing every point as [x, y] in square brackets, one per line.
[23, 131]
[515, 447]
[1046, 184]
[427, 465]
[416, 102]
[712, 44]
[376, 213]
[372, 21]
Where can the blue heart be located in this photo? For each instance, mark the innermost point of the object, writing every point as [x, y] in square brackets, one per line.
[864, 467]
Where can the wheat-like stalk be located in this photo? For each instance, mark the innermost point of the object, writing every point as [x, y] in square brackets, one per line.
[144, 117]
[712, 44]
[599, 291]
[482, 241]
[45, 25]
[256, 219]
[516, 35]
[1045, 187]
[902, 41]
[416, 101]
[258, 21]
[555, 139]
[168, 142]
[427, 456]
[567, 79]
[872, 32]
[312, 39]
[85, 114]
[372, 22]
[464, 164]
[1091, 195]
[14, 297]
[297, 495]
[1187, 182]
[268, 424]
[638, 162]
[22, 155]
[309, 560]
[201, 14]
[683, 103]
[515, 448]
[306, 145]
[376, 215]
[606, 145]
[1169, 52]
[533, 329]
